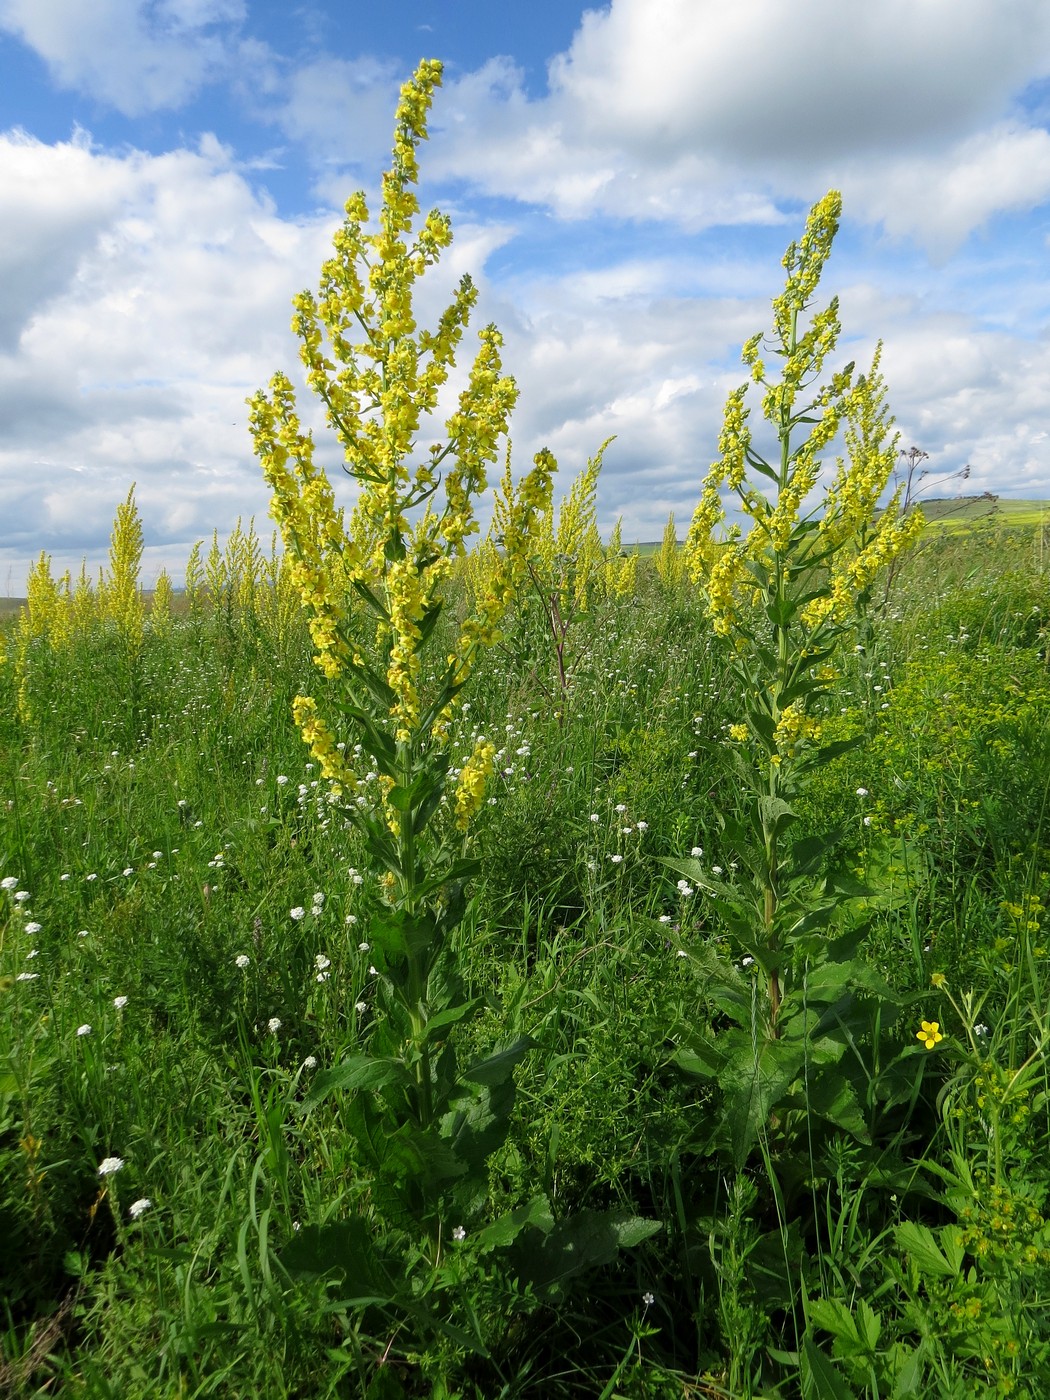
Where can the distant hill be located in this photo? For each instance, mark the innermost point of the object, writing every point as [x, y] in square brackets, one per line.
[957, 512]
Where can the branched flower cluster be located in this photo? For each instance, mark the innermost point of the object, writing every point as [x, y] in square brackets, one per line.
[379, 378]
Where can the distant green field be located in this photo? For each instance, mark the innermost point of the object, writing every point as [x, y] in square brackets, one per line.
[959, 513]
[955, 514]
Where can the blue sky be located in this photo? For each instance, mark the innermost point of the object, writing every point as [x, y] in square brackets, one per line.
[622, 182]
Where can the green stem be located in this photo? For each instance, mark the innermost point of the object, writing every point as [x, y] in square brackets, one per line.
[417, 960]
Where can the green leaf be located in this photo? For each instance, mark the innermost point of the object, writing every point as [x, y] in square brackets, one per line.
[343, 1249]
[833, 1316]
[477, 1124]
[808, 853]
[497, 1068]
[909, 1377]
[753, 1082]
[781, 611]
[634, 1230]
[396, 933]
[831, 1096]
[776, 814]
[686, 865]
[356, 1073]
[820, 1379]
[452, 1016]
[920, 1243]
[457, 870]
[505, 1230]
[400, 798]
[826, 752]
[869, 1325]
[581, 1242]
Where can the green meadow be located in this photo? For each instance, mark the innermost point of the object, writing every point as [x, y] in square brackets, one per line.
[185, 919]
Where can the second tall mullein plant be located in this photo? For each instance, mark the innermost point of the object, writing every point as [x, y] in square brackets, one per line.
[373, 588]
[788, 596]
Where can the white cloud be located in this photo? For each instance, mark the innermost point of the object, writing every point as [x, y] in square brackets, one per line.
[173, 307]
[816, 79]
[341, 111]
[52, 210]
[135, 56]
[939, 199]
[703, 114]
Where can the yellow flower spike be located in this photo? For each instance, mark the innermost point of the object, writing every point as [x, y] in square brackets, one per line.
[929, 1033]
[473, 780]
[124, 602]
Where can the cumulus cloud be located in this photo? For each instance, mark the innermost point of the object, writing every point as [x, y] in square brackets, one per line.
[52, 214]
[702, 114]
[137, 57]
[937, 199]
[813, 80]
[134, 363]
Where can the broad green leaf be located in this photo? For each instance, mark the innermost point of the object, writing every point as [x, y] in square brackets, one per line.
[909, 1377]
[581, 1242]
[634, 1230]
[505, 1230]
[341, 1248]
[477, 1124]
[357, 1072]
[753, 1082]
[400, 798]
[776, 814]
[869, 1325]
[920, 1243]
[452, 1016]
[832, 1316]
[497, 1068]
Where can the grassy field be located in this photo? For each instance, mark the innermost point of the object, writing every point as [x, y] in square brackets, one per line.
[187, 926]
[963, 512]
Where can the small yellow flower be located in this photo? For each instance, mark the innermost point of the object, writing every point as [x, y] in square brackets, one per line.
[929, 1034]
[738, 732]
[938, 979]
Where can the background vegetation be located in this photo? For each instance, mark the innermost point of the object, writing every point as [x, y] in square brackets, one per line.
[185, 919]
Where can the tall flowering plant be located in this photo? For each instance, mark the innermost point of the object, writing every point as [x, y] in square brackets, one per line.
[374, 587]
[786, 597]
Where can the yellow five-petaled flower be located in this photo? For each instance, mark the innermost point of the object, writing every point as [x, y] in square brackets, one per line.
[929, 1033]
